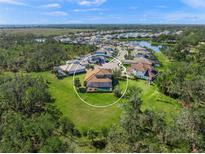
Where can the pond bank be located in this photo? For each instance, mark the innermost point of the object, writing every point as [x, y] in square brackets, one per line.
[150, 40]
[149, 45]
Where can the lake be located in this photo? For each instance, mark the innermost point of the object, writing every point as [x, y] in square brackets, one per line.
[146, 44]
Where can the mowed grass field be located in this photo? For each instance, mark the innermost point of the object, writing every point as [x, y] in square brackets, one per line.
[165, 62]
[155, 101]
[86, 117]
[42, 31]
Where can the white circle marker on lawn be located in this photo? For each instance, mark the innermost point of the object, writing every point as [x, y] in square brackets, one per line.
[99, 106]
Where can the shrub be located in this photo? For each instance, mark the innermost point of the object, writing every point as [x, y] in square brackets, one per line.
[77, 83]
[118, 92]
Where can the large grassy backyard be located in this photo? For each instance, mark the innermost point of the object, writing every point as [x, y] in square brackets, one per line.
[84, 116]
[87, 117]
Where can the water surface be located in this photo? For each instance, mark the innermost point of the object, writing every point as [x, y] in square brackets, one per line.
[147, 44]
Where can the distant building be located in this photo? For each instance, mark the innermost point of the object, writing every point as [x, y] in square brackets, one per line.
[40, 40]
[63, 39]
[99, 80]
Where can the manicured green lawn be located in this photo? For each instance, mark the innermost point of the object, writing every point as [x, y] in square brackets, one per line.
[156, 101]
[84, 116]
[99, 99]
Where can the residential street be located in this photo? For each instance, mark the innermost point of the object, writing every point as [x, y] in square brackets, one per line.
[115, 63]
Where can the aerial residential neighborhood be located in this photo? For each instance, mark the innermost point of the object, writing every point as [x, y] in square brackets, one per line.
[140, 62]
[89, 83]
[102, 76]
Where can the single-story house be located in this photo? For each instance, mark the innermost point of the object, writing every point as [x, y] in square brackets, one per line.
[150, 57]
[143, 71]
[138, 60]
[66, 70]
[99, 80]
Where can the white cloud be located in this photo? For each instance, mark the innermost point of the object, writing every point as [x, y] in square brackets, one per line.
[87, 10]
[184, 17]
[178, 16]
[57, 13]
[91, 2]
[195, 3]
[86, 2]
[13, 2]
[53, 5]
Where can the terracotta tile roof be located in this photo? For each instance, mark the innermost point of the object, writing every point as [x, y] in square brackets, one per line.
[99, 80]
[91, 75]
[141, 67]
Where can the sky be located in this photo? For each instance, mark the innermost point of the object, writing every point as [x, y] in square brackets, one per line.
[102, 11]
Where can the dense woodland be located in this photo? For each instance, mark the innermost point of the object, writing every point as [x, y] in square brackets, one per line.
[23, 53]
[30, 122]
[148, 132]
[184, 79]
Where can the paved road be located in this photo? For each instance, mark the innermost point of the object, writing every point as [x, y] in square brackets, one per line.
[115, 63]
[122, 53]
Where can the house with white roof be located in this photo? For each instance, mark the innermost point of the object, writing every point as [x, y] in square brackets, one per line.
[71, 69]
